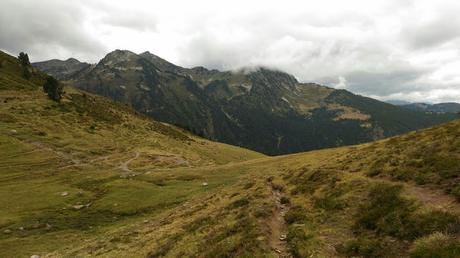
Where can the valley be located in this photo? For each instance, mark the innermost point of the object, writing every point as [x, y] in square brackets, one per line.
[88, 176]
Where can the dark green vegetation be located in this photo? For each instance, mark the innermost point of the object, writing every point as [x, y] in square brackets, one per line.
[53, 88]
[263, 110]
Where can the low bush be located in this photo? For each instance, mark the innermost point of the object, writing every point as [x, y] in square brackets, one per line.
[456, 192]
[239, 203]
[365, 247]
[295, 215]
[385, 211]
[436, 245]
[296, 239]
[285, 200]
[425, 223]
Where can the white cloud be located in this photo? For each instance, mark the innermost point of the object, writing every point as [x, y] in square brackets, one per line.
[383, 48]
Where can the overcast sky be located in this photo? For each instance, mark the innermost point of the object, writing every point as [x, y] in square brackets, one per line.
[401, 49]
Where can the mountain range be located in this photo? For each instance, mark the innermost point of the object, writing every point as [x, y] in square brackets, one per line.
[91, 177]
[262, 109]
[448, 107]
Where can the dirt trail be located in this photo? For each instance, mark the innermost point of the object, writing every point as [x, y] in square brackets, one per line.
[124, 165]
[278, 227]
[68, 157]
[433, 197]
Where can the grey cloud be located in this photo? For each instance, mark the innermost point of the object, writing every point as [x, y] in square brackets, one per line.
[382, 83]
[441, 29]
[45, 28]
[136, 21]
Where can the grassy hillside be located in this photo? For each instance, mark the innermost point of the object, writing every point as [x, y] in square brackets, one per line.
[77, 168]
[319, 204]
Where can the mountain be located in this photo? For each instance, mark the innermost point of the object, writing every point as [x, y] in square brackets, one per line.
[261, 109]
[60, 69]
[449, 107]
[92, 177]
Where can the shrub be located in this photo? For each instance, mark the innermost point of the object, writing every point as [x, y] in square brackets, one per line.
[425, 223]
[437, 245]
[277, 187]
[53, 88]
[285, 200]
[248, 185]
[329, 201]
[365, 247]
[296, 239]
[456, 192]
[239, 203]
[426, 178]
[373, 172]
[295, 214]
[385, 211]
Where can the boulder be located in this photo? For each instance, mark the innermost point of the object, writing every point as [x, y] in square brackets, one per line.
[78, 206]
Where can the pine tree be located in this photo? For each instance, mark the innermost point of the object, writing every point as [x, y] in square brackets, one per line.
[25, 63]
[24, 59]
[53, 88]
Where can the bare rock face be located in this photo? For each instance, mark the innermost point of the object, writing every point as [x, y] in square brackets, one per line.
[61, 70]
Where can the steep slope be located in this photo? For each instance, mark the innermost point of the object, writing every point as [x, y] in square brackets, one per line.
[61, 69]
[264, 110]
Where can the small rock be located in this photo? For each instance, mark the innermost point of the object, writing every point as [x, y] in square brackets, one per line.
[13, 131]
[35, 256]
[146, 221]
[21, 228]
[48, 226]
[64, 193]
[204, 184]
[78, 207]
[283, 237]
[7, 231]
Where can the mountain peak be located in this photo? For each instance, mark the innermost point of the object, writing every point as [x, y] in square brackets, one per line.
[160, 63]
[118, 56]
[273, 75]
[73, 60]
